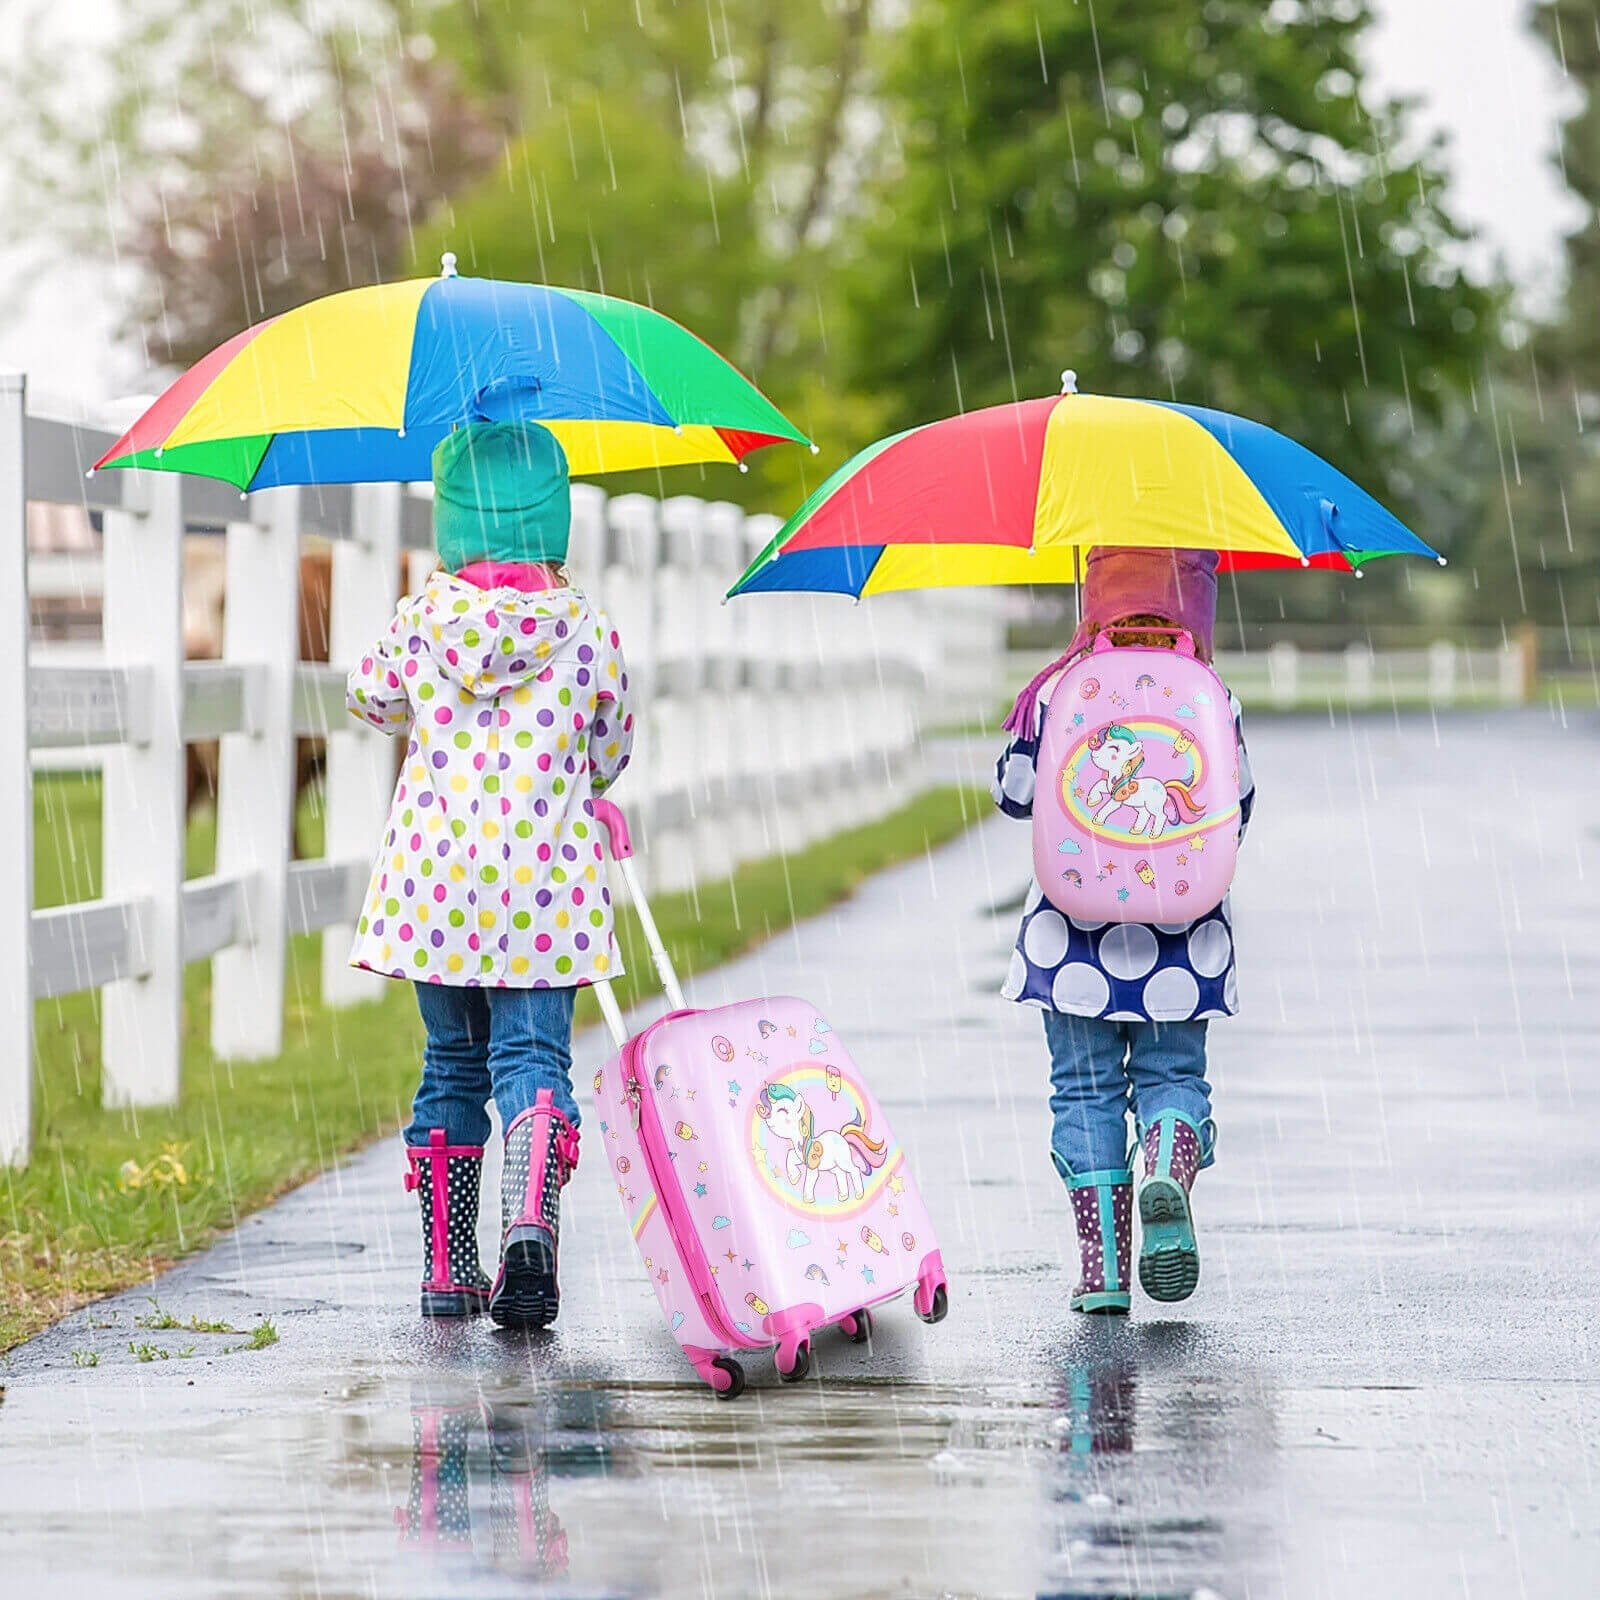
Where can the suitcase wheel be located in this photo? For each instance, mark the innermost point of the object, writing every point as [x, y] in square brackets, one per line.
[735, 1384]
[857, 1326]
[799, 1358]
[937, 1307]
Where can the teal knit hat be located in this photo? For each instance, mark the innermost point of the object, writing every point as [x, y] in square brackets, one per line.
[500, 493]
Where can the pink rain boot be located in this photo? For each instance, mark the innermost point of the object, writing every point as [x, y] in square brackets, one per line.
[446, 1178]
[541, 1154]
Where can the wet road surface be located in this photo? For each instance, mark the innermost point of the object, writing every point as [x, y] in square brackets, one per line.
[1385, 1384]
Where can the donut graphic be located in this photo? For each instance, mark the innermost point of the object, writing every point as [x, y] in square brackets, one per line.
[1181, 886]
[1089, 688]
[723, 1048]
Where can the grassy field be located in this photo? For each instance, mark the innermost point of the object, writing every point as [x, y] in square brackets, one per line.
[111, 1197]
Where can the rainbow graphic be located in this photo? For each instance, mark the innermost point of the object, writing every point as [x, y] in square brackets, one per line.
[1158, 736]
[647, 1209]
[815, 1084]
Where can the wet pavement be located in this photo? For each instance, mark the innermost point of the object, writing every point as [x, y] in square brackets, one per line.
[1385, 1384]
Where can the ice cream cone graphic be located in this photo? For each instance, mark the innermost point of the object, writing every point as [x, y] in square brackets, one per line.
[873, 1242]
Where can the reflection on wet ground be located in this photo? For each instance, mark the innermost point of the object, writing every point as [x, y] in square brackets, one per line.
[1384, 1385]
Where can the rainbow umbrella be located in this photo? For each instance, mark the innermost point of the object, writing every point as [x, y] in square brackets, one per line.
[1020, 493]
[359, 387]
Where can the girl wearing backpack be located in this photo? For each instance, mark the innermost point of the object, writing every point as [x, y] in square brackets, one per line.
[1135, 754]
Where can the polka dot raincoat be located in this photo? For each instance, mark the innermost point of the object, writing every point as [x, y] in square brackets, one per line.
[1119, 971]
[515, 711]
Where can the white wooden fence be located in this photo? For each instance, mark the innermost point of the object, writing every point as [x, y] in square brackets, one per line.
[765, 725]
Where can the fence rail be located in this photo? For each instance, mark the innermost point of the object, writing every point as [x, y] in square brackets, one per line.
[763, 725]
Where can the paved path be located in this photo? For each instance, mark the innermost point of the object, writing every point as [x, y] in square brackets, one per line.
[1385, 1385]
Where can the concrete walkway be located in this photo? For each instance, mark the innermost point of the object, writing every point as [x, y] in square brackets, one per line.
[1385, 1385]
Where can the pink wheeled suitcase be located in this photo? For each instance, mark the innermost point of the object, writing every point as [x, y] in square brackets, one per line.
[762, 1183]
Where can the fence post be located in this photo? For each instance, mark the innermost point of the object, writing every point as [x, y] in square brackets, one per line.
[142, 797]
[1442, 672]
[255, 785]
[366, 578]
[16, 778]
[1358, 674]
[1283, 673]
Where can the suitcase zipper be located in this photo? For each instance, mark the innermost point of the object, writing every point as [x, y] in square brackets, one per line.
[653, 1142]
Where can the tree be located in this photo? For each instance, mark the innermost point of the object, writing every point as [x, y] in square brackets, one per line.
[251, 157]
[1176, 199]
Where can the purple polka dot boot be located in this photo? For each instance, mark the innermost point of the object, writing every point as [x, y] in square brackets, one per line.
[446, 1178]
[541, 1155]
[1169, 1259]
[1102, 1212]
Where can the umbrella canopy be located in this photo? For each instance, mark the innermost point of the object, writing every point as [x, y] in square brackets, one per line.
[1018, 494]
[359, 387]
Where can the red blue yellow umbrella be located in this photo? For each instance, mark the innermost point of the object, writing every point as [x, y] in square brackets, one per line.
[360, 386]
[1019, 494]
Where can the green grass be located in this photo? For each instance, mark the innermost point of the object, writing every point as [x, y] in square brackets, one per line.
[113, 1196]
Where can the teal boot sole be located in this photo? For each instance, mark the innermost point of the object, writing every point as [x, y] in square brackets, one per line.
[1169, 1259]
[1104, 1302]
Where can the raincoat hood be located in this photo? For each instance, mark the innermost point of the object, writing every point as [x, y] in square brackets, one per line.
[490, 640]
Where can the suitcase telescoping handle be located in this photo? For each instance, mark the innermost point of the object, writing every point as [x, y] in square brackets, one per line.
[611, 819]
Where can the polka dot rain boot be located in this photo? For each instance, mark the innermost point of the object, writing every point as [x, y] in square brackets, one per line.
[438, 1513]
[1169, 1259]
[1102, 1211]
[447, 1178]
[528, 1536]
[541, 1154]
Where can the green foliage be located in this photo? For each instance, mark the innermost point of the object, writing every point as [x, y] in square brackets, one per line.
[1176, 199]
[73, 1228]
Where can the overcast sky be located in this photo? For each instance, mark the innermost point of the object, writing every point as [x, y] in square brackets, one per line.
[1481, 77]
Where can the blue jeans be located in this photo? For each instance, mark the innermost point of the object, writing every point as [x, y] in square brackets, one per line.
[507, 1042]
[1100, 1070]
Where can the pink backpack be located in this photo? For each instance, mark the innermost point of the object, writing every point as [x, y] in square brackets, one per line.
[1136, 803]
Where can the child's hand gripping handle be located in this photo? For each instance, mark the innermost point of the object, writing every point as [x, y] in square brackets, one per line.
[620, 843]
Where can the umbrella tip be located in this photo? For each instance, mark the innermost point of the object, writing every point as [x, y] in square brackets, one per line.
[744, 466]
[816, 449]
[89, 473]
[1305, 561]
[1360, 573]
[1443, 561]
[1069, 382]
[447, 264]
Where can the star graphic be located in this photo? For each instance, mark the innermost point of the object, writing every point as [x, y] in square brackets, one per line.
[866, 1274]
[1167, 693]
[894, 1210]
[791, 1033]
[705, 1166]
[1077, 720]
[700, 1190]
[622, 1188]
[748, 1264]
[713, 1269]
[733, 1086]
[1122, 894]
[842, 1247]
[629, 1198]
[1198, 842]
[689, 1094]
[1101, 876]
[648, 1263]
[1182, 859]
[897, 1184]
[840, 1260]
[1111, 866]
[732, 1255]
[603, 1127]
[661, 1276]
